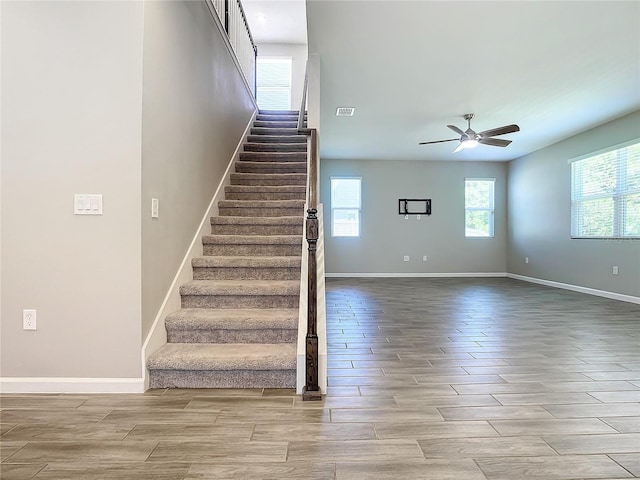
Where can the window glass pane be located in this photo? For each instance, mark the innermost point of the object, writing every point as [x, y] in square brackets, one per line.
[478, 223]
[595, 217]
[346, 223]
[633, 168]
[479, 204]
[345, 193]
[479, 194]
[632, 215]
[596, 175]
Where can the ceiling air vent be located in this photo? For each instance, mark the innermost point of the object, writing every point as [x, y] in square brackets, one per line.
[345, 111]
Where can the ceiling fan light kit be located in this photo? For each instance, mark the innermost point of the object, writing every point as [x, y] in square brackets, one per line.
[470, 139]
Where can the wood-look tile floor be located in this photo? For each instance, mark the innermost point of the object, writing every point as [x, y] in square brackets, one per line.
[441, 379]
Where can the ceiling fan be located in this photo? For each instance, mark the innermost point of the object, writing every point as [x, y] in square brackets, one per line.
[471, 139]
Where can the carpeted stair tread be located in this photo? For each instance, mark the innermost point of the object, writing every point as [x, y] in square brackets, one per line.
[283, 123]
[240, 288]
[293, 220]
[275, 147]
[226, 357]
[265, 188]
[278, 139]
[250, 178]
[248, 319]
[273, 156]
[252, 239]
[280, 112]
[262, 204]
[246, 262]
[271, 167]
[273, 131]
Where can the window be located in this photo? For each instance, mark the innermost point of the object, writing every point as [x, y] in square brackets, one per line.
[605, 193]
[478, 207]
[345, 206]
[273, 83]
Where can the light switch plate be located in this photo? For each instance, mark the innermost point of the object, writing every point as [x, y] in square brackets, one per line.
[87, 204]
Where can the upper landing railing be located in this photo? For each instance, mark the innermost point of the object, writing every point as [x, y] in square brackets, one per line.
[232, 17]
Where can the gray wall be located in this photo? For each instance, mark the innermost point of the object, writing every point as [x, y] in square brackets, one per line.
[386, 236]
[195, 109]
[540, 218]
[71, 123]
[131, 100]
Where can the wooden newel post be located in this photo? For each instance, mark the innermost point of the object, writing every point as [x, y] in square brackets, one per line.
[311, 390]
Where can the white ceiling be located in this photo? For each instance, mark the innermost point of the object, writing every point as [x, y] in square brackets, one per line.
[276, 21]
[411, 67]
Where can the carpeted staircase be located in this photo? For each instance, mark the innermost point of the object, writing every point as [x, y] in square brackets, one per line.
[238, 324]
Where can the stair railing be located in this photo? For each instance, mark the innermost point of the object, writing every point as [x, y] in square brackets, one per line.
[311, 390]
[233, 19]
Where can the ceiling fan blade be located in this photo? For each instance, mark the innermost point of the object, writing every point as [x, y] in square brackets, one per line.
[457, 130]
[500, 131]
[460, 147]
[440, 141]
[494, 142]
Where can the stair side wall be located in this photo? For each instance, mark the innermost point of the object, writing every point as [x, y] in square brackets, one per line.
[196, 107]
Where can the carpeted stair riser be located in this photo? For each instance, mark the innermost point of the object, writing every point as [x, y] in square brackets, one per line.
[252, 245]
[276, 124]
[260, 192]
[278, 118]
[271, 167]
[256, 225]
[280, 112]
[268, 179]
[200, 325]
[269, 335]
[246, 268]
[273, 157]
[260, 208]
[280, 139]
[240, 301]
[275, 147]
[273, 131]
[223, 379]
[258, 250]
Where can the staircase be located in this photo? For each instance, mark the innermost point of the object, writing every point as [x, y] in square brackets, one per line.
[238, 325]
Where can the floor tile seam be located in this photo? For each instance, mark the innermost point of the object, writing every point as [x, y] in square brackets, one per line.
[620, 465]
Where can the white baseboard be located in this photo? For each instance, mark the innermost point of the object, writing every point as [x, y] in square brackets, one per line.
[416, 275]
[71, 385]
[577, 288]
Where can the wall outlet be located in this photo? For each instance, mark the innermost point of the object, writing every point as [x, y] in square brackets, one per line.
[28, 319]
[526, 259]
[406, 258]
[424, 258]
[615, 269]
[418, 217]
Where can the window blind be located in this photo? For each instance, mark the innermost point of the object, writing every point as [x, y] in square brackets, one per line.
[605, 194]
[345, 207]
[273, 83]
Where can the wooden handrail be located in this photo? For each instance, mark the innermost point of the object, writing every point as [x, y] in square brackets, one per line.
[311, 390]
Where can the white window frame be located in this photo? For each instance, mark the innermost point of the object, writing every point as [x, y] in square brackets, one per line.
[334, 209]
[619, 194]
[490, 208]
